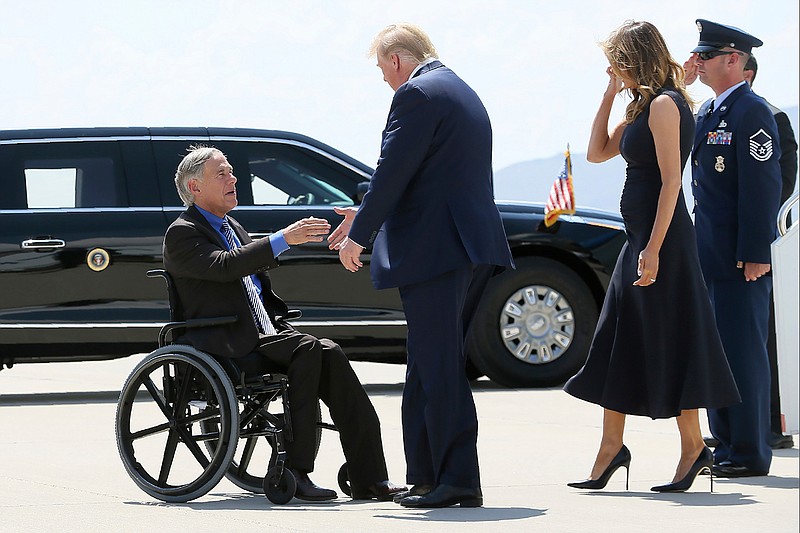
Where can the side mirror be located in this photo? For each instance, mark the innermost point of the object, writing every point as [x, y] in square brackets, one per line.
[361, 190]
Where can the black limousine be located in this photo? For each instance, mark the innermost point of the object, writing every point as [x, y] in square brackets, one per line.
[83, 213]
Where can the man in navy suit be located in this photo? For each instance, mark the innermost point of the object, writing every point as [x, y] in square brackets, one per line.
[736, 185]
[429, 217]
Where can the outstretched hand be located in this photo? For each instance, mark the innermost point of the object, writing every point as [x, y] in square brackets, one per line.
[305, 230]
[336, 238]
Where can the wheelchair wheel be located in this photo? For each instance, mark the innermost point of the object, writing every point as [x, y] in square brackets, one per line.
[279, 485]
[167, 403]
[344, 480]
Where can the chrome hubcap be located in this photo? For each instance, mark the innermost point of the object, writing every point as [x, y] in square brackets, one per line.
[537, 324]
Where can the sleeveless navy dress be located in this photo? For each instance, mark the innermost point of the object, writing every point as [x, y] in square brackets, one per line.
[656, 349]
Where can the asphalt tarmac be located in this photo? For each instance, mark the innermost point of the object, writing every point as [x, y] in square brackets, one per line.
[61, 470]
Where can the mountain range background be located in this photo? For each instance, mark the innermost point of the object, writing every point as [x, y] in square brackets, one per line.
[595, 185]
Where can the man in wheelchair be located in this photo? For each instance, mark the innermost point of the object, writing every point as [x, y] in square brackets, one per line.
[219, 270]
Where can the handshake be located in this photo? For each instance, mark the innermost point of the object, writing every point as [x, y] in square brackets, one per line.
[314, 230]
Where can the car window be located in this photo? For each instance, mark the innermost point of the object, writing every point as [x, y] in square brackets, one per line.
[65, 175]
[89, 182]
[273, 173]
[277, 181]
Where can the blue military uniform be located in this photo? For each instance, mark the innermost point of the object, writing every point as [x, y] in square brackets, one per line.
[736, 183]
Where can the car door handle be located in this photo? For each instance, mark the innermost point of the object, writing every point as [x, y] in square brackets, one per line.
[43, 244]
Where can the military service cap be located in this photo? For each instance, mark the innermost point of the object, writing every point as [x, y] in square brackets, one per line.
[715, 36]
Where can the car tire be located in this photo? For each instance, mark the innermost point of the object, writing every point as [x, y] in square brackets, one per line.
[542, 303]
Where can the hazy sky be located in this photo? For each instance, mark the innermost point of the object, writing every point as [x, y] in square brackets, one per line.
[302, 66]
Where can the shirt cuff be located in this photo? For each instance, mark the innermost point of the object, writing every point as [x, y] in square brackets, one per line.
[278, 243]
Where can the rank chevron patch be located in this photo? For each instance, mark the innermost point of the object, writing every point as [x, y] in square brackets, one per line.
[761, 145]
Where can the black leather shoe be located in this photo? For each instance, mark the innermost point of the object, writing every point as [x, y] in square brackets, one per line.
[381, 491]
[779, 441]
[308, 491]
[416, 490]
[731, 469]
[445, 496]
[711, 442]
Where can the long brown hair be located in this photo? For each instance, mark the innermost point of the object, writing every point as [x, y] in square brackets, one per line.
[639, 50]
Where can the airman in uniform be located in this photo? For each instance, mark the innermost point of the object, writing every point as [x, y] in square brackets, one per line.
[736, 183]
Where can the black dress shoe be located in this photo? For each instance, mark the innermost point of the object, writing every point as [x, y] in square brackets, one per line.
[416, 490]
[731, 469]
[779, 441]
[445, 496]
[711, 442]
[381, 491]
[308, 491]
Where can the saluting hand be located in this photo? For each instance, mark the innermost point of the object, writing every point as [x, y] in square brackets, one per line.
[690, 70]
[305, 230]
[615, 84]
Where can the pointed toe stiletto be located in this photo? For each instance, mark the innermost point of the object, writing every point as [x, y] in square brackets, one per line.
[704, 463]
[623, 458]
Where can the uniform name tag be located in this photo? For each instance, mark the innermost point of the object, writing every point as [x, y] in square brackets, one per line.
[719, 137]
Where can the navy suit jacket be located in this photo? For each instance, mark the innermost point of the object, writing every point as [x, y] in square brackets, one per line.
[208, 279]
[736, 183]
[430, 204]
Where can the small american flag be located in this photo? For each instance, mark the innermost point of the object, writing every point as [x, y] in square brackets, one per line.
[562, 196]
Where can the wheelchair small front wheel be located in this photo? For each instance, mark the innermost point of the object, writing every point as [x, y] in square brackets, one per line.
[344, 480]
[279, 485]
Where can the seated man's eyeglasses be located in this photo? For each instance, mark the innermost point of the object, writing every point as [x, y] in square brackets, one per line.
[711, 54]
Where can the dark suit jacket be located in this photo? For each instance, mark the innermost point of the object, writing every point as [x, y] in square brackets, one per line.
[430, 204]
[736, 184]
[788, 160]
[208, 279]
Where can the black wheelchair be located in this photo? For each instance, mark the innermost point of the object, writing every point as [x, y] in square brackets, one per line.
[182, 413]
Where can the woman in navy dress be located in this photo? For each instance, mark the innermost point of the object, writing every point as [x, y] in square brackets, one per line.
[656, 351]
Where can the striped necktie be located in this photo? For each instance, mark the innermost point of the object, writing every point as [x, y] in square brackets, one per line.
[256, 305]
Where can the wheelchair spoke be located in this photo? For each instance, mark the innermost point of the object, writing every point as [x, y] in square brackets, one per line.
[154, 393]
[149, 431]
[191, 443]
[169, 456]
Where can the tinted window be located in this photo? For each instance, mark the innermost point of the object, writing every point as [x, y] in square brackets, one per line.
[288, 182]
[282, 174]
[63, 175]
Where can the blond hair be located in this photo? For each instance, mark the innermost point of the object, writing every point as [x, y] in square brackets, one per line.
[406, 40]
[639, 50]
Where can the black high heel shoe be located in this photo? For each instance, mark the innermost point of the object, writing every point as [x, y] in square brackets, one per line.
[623, 458]
[703, 463]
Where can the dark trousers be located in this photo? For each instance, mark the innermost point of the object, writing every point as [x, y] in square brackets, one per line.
[440, 424]
[318, 369]
[742, 312]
